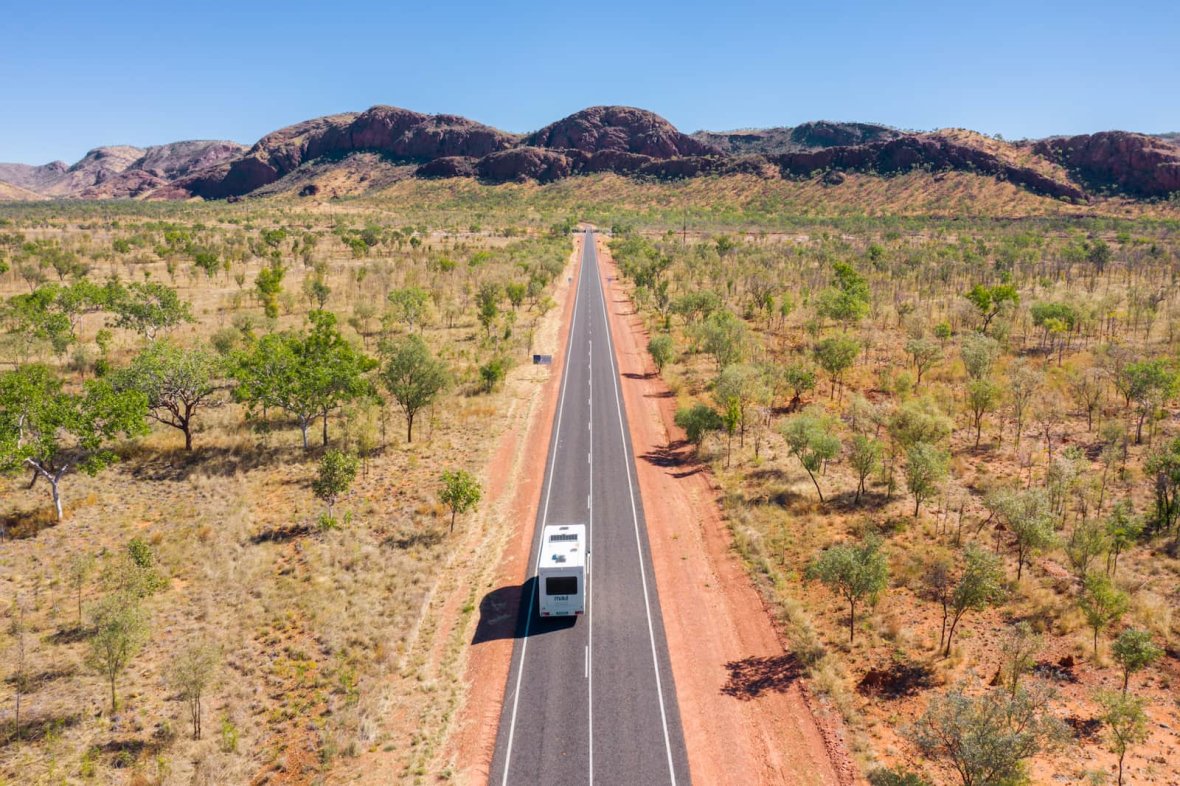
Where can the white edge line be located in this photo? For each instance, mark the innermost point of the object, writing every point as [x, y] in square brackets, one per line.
[638, 543]
[544, 518]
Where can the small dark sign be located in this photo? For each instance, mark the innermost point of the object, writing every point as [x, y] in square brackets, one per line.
[542, 360]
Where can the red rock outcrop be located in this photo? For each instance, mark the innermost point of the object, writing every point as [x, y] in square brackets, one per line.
[524, 163]
[447, 166]
[374, 148]
[622, 129]
[914, 151]
[800, 138]
[1136, 164]
[397, 133]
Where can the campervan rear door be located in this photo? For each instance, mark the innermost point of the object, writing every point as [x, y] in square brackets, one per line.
[562, 591]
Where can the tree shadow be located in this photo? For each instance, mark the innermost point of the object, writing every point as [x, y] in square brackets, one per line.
[1061, 671]
[752, 677]
[845, 501]
[424, 538]
[37, 681]
[633, 375]
[624, 312]
[1084, 729]
[70, 635]
[281, 534]
[35, 728]
[675, 455]
[510, 612]
[896, 682]
[767, 475]
[126, 752]
[181, 465]
[25, 524]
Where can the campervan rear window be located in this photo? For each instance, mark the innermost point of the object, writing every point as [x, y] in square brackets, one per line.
[561, 585]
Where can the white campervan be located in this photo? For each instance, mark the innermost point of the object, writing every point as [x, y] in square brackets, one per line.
[561, 574]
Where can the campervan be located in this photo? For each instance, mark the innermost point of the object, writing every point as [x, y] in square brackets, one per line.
[561, 573]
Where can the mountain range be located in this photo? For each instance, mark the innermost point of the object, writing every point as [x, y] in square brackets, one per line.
[357, 152]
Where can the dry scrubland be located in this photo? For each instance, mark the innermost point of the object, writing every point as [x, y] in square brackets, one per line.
[338, 648]
[327, 643]
[842, 346]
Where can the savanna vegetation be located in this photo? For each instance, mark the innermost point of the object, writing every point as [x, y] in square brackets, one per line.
[241, 446]
[949, 455]
[245, 449]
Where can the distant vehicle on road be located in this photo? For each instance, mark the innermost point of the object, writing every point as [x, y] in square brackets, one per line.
[561, 574]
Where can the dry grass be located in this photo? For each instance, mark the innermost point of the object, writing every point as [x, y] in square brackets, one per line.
[333, 643]
[779, 526]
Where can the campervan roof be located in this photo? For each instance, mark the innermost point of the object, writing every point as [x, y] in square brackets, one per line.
[564, 546]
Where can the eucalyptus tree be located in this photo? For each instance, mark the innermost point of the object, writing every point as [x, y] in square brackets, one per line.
[51, 431]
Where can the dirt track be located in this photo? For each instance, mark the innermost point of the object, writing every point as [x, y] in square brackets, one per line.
[747, 718]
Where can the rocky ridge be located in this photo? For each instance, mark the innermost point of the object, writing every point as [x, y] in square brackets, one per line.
[360, 151]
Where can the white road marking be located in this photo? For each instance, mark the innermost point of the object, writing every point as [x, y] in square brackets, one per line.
[589, 584]
[638, 543]
[541, 533]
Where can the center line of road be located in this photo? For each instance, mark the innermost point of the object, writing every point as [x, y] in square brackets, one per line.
[638, 543]
[541, 530]
[589, 580]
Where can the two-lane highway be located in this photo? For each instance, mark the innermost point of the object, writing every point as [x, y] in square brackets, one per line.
[592, 700]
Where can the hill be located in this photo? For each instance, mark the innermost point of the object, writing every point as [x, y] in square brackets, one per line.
[355, 153]
[119, 171]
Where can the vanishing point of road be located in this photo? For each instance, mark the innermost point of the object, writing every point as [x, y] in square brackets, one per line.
[591, 699]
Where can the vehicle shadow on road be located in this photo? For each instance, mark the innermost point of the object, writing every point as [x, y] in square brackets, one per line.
[504, 611]
[752, 677]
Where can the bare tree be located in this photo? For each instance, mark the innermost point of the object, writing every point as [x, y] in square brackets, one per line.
[191, 673]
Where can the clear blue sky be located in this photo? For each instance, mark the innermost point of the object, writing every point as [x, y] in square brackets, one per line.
[75, 75]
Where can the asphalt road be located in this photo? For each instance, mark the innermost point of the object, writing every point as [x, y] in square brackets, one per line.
[591, 699]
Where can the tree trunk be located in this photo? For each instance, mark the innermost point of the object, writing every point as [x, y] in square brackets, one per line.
[56, 492]
[114, 701]
[950, 636]
[325, 429]
[851, 621]
[194, 708]
[304, 424]
[188, 435]
[409, 428]
[816, 484]
[454, 512]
